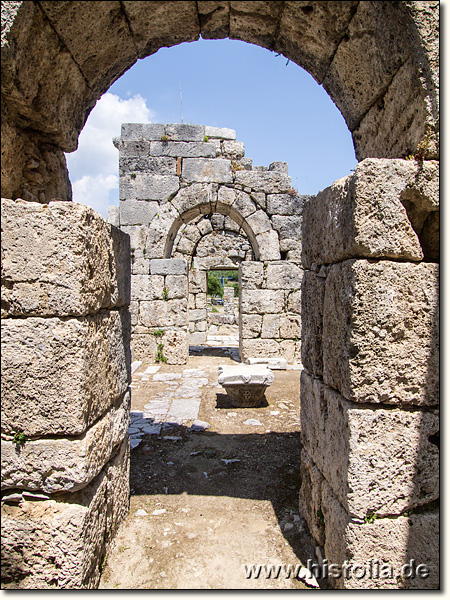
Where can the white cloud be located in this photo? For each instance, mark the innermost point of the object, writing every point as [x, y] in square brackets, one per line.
[93, 167]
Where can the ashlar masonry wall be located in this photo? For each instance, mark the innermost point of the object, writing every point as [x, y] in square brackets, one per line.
[370, 384]
[175, 181]
[65, 364]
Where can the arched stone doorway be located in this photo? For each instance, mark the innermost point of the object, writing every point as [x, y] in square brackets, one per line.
[379, 63]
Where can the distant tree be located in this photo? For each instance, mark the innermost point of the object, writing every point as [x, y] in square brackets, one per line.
[236, 290]
[214, 286]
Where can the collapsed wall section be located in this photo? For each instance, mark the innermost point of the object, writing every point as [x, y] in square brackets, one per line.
[370, 384]
[65, 392]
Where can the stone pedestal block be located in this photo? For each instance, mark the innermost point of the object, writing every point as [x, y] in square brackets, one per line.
[245, 384]
[60, 375]
[376, 460]
[60, 543]
[381, 332]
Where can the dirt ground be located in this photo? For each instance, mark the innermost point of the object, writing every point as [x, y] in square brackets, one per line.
[205, 504]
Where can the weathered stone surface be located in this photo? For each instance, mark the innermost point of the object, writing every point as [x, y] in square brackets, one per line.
[158, 165]
[197, 315]
[280, 166]
[197, 338]
[176, 346]
[394, 541]
[381, 332]
[56, 465]
[376, 460]
[222, 133]
[312, 300]
[285, 204]
[61, 375]
[270, 326]
[288, 227]
[185, 133]
[114, 43]
[242, 202]
[283, 276]
[294, 300]
[251, 275]
[290, 327]
[206, 170]
[183, 149]
[259, 222]
[233, 149]
[163, 313]
[152, 25]
[258, 348]
[62, 542]
[147, 287]
[250, 326]
[141, 131]
[113, 216]
[271, 363]
[176, 286]
[137, 212]
[194, 195]
[197, 282]
[245, 384]
[269, 245]
[158, 230]
[363, 214]
[60, 259]
[168, 266]
[262, 301]
[256, 23]
[311, 497]
[138, 236]
[270, 182]
[143, 347]
[148, 187]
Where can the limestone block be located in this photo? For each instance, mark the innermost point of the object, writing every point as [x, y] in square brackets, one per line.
[191, 301]
[250, 326]
[312, 298]
[197, 315]
[393, 541]
[60, 259]
[197, 339]
[363, 215]
[61, 375]
[285, 204]
[141, 131]
[134, 312]
[287, 227]
[197, 282]
[251, 275]
[158, 165]
[183, 149]
[147, 287]
[138, 236]
[280, 166]
[190, 197]
[379, 461]
[290, 327]
[288, 350]
[233, 149]
[185, 133]
[255, 23]
[271, 363]
[148, 187]
[143, 347]
[222, 133]
[200, 301]
[242, 203]
[168, 266]
[176, 346]
[65, 464]
[158, 230]
[204, 226]
[270, 326]
[296, 39]
[140, 265]
[262, 301]
[132, 149]
[283, 276]
[269, 245]
[152, 25]
[294, 300]
[258, 348]
[114, 44]
[311, 497]
[61, 542]
[176, 286]
[137, 212]
[214, 170]
[381, 332]
[269, 182]
[259, 222]
[163, 313]
[201, 326]
[113, 216]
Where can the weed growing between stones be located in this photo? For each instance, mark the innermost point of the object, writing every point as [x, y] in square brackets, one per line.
[165, 294]
[19, 438]
[159, 354]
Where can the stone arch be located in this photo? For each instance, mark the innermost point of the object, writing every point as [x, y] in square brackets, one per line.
[377, 61]
[210, 208]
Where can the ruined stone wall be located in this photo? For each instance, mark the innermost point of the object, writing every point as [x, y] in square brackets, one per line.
[370, 384]
[65, 392]
[188, 191]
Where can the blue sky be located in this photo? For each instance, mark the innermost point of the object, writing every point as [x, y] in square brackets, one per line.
[276, 108]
